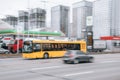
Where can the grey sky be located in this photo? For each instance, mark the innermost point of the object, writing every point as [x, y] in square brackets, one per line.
[11, 7]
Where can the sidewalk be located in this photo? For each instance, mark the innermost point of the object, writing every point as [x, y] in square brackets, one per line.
[10, 55]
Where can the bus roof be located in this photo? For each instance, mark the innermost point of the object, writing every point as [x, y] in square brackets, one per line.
[57, 41]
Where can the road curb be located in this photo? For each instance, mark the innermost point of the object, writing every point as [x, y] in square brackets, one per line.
[20, 55]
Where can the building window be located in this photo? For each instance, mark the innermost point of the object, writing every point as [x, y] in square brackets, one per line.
[116, 44]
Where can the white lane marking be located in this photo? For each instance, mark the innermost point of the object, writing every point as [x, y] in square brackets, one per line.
[74, 74]
[109, 61]
[46, 68]
[32, 69]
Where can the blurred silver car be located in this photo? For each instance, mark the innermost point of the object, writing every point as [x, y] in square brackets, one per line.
[76, 56]
[4, 51]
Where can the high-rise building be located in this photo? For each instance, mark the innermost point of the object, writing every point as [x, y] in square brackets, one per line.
[106, 18]
[23, 20]
[106, 22]
[81, 10]
[101, 18]
[115, 26]
[12, 20]
[60, 18]
[37, 18]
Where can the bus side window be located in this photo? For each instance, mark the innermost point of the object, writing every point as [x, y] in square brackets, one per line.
[69, 47]
[44, 47]
[77, 47]
[36, 47]
[73, 48]
[65, 46]
[49, 47]
[56, 46]
[52, 47]
[59, 47]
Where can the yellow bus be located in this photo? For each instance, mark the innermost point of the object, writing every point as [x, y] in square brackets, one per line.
[50, 48]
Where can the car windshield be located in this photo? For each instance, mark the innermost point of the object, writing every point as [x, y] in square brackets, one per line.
[27, 48]
[80, 52]
[71, 51]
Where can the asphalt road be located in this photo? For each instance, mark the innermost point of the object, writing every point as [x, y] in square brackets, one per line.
[105, 67]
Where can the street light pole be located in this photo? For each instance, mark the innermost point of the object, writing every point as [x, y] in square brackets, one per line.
[28, 17]
[18, 37]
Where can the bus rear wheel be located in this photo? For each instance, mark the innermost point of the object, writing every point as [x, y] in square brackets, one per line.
[46, 56]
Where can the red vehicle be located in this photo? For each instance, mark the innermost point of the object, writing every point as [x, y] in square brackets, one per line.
[14, 45]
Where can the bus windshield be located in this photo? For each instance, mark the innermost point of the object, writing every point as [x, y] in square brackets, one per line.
[27, 48]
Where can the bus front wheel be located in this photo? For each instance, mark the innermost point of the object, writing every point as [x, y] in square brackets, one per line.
[46, 56]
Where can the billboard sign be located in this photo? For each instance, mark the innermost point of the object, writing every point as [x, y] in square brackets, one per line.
[110, 38]
[89, 21]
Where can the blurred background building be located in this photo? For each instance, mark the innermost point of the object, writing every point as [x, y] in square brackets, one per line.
[12, 20]
[115, 25]
[81, 10]
[102, 18]
[106, 18]
[37, 18]
[106, 22]
[60, 17]
[23, 19]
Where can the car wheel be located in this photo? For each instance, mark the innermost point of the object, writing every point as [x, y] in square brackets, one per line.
[65, 62]
[13, 51]
[6, 52]
[91, 60]
[75, 61]
[46, 56]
